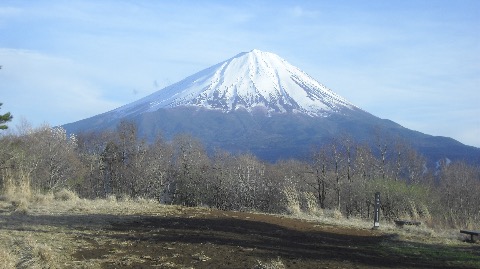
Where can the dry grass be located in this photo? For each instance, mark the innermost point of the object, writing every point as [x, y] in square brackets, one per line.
[29, 239]
[7, 259]
[42, 257]
[272, 264]
[421, 233]
[28, 250]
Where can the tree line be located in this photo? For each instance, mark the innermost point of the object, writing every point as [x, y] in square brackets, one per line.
[340, 176]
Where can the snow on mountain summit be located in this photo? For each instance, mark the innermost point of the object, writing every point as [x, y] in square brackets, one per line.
[248, 80]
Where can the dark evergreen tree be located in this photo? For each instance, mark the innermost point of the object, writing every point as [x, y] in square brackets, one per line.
[4, 119]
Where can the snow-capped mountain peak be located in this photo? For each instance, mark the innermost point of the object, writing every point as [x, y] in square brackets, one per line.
[300, 112]
[249, 80]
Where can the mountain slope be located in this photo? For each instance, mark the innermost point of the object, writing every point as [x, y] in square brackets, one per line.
[257, 102]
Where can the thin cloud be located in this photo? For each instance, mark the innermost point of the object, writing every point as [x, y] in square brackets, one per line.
[300, 12]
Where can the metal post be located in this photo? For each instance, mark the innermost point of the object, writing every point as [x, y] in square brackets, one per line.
[376, 215]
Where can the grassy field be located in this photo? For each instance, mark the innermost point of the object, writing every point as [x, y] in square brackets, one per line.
[63, 231]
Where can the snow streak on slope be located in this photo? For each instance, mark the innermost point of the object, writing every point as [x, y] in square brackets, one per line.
[249, 80]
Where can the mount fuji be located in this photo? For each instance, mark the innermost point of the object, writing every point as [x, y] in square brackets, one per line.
[250, 80]
[257, 102]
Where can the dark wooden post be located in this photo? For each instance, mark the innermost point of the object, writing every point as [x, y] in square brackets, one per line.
[376, 215]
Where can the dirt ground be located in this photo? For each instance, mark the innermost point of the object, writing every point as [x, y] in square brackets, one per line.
[205, 238]
[240, 240]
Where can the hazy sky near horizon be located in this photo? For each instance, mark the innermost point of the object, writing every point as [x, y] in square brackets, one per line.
[414, 62]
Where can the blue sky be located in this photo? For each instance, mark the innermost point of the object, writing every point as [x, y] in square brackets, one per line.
[414, 62]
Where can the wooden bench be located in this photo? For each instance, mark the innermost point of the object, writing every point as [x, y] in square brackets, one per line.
[471, 233]
[407, 222]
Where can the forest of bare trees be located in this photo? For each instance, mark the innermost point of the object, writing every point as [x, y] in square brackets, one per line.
[341, 176]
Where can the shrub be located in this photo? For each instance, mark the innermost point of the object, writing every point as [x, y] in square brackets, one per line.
[292, 202]
[111, 199]
[401, 200]
[40, 198]
[309, 202]
[65, 195]
[20, 205]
